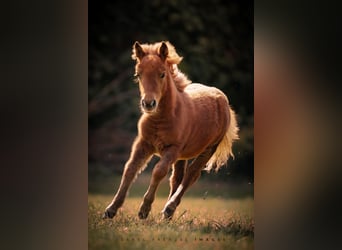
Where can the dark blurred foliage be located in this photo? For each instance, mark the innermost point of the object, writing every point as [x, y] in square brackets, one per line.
[214, 37]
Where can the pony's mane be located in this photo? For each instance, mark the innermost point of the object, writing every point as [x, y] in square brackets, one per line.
[173, 59]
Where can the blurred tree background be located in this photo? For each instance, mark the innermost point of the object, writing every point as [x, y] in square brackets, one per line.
[214, 37]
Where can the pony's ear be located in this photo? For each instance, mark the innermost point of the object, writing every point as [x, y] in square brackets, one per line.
[163, 51]
[138, 52]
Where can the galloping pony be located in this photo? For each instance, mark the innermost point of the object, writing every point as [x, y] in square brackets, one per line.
[180, 121]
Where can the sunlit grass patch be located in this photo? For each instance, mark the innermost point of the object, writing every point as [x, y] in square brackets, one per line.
[197, 224]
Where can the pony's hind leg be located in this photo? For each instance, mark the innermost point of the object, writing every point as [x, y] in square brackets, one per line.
[177, 176]
[159, 172]
[191, 174]
[141, 153]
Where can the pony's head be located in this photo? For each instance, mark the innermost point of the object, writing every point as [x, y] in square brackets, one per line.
[156, 64]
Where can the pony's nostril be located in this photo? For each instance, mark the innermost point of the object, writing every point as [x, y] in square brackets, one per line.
[148, 105]
[143, 103]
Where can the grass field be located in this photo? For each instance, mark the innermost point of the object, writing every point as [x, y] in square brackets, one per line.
[200, 222]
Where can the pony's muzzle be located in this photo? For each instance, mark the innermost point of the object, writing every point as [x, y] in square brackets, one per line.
[148, 105]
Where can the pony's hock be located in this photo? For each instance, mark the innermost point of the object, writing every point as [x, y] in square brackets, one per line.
[175, 111]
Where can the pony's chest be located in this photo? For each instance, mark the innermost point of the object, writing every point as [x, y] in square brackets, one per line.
[159, 134]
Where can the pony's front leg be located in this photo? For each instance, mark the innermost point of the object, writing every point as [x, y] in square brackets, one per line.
[141, 153]
[159, 172]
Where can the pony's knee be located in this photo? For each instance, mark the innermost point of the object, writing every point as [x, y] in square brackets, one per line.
[160, 171]
[129, 173]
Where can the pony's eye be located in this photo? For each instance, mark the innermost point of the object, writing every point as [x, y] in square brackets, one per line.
[162, 75]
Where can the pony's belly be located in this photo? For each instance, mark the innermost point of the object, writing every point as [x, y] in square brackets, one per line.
[188, 153]
[193, 152]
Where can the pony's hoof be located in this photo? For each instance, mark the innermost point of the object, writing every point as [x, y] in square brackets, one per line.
[142, 215]
[108, 214]
[168, 213]
[144, 211]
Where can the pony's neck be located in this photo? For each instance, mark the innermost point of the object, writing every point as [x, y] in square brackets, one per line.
[169, 99]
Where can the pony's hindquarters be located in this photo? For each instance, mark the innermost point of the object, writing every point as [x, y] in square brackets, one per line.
[224, 149]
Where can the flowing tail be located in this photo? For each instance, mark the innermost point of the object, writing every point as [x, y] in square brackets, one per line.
[224, 149]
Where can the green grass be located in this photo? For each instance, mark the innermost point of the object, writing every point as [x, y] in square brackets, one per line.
[212, 215]
[211, 223]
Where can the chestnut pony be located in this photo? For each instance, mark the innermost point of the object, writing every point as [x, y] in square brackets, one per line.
[180, 121]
